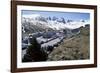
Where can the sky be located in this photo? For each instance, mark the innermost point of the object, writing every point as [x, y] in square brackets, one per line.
[67, 15]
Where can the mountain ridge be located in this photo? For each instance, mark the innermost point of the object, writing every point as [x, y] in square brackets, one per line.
[55, 24]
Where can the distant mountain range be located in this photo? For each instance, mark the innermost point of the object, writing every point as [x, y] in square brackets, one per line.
[37, 22]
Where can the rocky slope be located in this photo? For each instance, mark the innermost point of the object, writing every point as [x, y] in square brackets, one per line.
[74, 48]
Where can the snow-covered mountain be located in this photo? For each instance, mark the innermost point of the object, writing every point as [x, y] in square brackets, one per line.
[55, 24]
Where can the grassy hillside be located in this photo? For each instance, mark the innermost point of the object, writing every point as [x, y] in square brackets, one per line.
[74, 48]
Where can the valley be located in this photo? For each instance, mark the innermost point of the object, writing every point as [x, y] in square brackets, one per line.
[44, 39]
